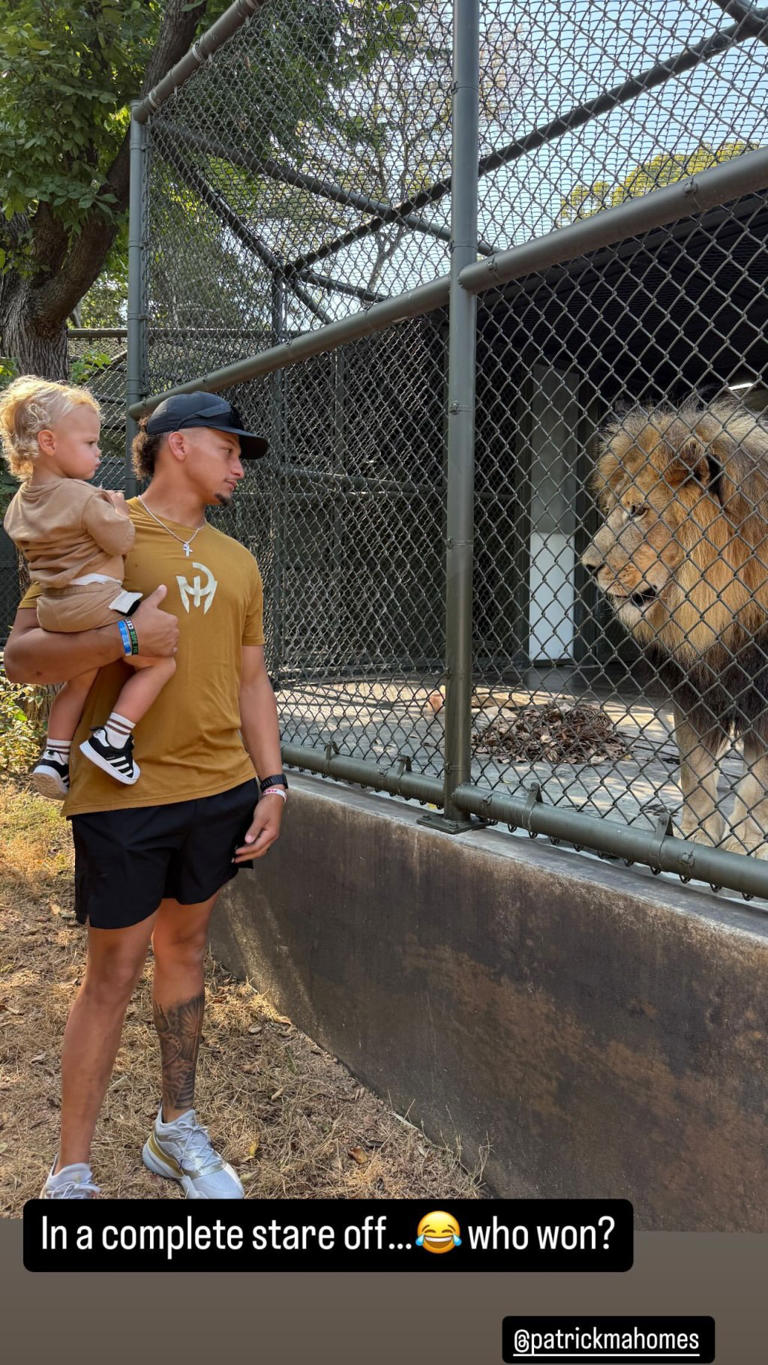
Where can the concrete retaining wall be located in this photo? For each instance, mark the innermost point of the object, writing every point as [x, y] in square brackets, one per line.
[601, 1031]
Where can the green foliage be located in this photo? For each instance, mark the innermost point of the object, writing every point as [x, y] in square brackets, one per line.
[105, 304]
[69, 72]
[664, 169]
[70, 69]
[85, 62]
[90, 363]
[21, 730]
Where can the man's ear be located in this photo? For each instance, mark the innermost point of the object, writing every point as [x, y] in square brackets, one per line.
[177, 444]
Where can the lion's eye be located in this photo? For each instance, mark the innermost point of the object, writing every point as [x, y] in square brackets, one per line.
[635, 510]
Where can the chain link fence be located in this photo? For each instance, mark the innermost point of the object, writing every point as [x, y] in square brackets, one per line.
[515, 549]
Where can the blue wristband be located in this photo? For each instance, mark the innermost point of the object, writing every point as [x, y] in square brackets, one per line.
[125, 637]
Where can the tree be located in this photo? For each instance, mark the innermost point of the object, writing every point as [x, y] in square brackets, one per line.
[584, 200]
[69, 71]
[396, 116]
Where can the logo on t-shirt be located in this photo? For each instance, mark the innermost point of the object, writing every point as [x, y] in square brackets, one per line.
[197, 592]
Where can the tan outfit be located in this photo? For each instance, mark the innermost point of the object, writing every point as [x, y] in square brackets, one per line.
[189, 740]
[74, 541]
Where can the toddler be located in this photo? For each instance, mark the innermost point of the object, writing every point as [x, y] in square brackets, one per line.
[74, 538]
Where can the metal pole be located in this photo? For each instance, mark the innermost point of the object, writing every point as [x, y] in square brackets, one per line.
[323, 189]
[93, 333]
[695, 194]
[400, 782]
[461, 410]
[374, 319]
[226, 215]
[744, 175]
[657, 75]
[209, 42]
[136, 334]
[581, 114]
[276, 485]
[656, 849]
[751, 19]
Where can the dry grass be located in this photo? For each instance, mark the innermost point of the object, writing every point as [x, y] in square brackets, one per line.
[289, 1117]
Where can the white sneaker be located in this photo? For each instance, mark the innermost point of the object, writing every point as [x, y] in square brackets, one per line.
[117, 762]
[71, 1182]
[183, 1151]
[50, 775]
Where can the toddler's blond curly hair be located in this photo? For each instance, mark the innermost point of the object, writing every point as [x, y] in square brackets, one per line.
[28, 406]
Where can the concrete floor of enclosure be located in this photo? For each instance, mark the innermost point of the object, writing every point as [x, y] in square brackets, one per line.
[379, 721]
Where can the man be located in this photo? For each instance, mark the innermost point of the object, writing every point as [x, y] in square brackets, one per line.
[151, 858]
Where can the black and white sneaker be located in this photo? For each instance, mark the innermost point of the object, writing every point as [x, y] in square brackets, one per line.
[117, 762]
[50, 775]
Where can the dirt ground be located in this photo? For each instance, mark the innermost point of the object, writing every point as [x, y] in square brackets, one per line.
[290, 1117]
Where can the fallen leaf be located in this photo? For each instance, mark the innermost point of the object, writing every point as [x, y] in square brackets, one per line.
[254, 1147]
[276, 1095]
[358, 1155]
[255, 1028]
[39, 1058]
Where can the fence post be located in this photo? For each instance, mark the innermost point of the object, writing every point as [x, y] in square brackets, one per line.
[136, 340]
[461, 410]
[276, 474]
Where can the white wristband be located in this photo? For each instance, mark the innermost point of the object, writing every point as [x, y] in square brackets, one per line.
[276, 791]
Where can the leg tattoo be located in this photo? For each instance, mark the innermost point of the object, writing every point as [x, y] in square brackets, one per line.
[179, 1028]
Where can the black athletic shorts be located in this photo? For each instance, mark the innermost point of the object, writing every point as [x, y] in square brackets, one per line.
[127, 861]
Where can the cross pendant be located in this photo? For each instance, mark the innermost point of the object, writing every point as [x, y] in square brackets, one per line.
[187, 550]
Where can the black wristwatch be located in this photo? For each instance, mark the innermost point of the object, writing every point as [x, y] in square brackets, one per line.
[278, 780]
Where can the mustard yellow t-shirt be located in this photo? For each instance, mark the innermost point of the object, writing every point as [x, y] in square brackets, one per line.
[188, 744]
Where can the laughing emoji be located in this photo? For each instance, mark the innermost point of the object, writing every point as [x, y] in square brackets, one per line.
[438, 1232]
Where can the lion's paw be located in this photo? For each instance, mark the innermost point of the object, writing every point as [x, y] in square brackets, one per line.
[755, 849]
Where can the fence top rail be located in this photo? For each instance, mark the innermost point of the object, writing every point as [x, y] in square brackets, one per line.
[83, 333]
[694, 194]
[424, 299]
[204, 47]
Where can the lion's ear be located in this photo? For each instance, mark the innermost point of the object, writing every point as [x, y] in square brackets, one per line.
[694, 461]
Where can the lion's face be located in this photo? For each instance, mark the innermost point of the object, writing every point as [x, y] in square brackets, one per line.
[673, 561]
[641, 547]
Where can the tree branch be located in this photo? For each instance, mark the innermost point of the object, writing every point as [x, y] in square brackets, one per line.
[54, 299]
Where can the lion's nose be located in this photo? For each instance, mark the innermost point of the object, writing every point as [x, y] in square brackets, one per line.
[592, 559]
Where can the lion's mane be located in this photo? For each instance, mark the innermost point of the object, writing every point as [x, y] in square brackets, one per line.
[705, 470]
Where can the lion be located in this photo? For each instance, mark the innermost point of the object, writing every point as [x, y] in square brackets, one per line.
[682, 555]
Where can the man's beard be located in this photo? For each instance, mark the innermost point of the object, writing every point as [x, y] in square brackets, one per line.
[223, 499]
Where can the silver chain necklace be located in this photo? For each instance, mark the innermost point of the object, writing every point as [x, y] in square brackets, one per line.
[185, 544]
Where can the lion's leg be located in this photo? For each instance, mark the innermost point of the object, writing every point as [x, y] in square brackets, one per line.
[699, 756]
[749, 822]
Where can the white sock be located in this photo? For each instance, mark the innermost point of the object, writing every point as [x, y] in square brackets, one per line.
[117, 729]
[57, 748]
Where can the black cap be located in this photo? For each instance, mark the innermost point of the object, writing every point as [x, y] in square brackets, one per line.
[204, 410]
